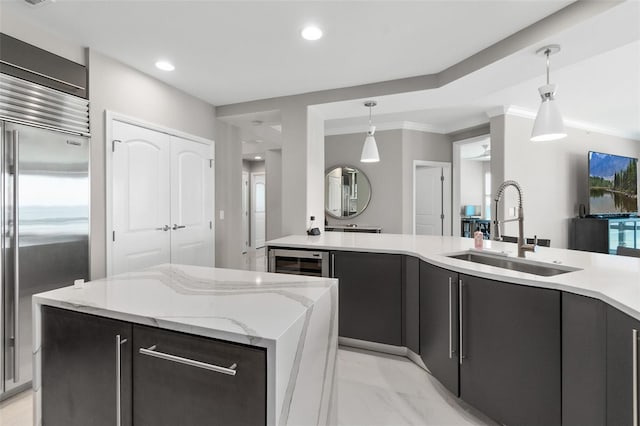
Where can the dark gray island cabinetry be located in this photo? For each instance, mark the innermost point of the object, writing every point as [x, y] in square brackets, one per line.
[99, 371]
[510, 348]
[623, 368]
[370, 296]
[524, 349]
[180, 345]
[439, 318]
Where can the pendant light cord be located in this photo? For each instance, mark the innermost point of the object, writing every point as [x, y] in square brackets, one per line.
[370, 116]
[548, 52]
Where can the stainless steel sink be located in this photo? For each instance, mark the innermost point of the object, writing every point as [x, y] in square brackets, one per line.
[515, 264]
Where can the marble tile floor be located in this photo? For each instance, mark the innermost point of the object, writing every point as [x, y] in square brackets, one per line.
[373, 389]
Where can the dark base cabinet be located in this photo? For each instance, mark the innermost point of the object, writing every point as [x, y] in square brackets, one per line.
[411, 306]
[620, 367]
[439, 324]
[169, 393]
[171, 384]
[584, 351]
[370, 294]
[510, 347]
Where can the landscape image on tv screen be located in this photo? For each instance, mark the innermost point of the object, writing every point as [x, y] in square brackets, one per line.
[613, 184]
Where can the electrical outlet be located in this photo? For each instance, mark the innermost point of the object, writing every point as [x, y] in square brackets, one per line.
[221, 214]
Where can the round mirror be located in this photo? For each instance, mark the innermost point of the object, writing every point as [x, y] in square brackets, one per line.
[346, 192]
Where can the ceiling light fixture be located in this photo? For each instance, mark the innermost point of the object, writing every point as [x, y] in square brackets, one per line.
[549, 124]
[165, 66]
[311, 33]
[257, 157]
[370, 149]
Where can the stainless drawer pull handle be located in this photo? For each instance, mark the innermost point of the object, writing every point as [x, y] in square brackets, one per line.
[231, 371]
[119, 342]
[634, 349]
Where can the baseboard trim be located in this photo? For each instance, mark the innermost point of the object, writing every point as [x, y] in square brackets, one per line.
[373, 346]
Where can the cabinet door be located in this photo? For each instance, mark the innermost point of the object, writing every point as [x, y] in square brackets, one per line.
[370, 296]
[173, 385]
[584, 344]
[620, 367]
[439, 324]
[510, 347]
[80, 366]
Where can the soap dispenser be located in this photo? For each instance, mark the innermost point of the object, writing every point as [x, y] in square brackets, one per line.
[478, 238]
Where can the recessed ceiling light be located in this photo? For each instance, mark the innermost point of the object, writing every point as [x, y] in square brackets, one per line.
[257, 157]
[165, 66]
[311, 33]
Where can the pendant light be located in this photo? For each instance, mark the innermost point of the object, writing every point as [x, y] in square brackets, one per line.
[370, 149]
[549, 124]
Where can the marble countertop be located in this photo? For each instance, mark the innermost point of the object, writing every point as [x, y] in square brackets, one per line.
[241, 306]
[612, 279]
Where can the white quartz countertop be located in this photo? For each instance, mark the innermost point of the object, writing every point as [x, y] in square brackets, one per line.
[241, 306]
[612, 279]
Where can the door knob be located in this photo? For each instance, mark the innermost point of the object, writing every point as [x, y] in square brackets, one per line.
[178, 226]
[163, 228]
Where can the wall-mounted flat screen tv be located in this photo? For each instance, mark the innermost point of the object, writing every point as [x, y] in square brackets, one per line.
[613, 184]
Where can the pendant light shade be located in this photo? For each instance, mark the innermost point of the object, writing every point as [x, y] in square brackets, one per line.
[370, 148]
[549, 124]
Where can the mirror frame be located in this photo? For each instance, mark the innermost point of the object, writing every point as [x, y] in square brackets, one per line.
[342, 166]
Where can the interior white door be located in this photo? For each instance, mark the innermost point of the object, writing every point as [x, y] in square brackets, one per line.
[141, 197]
[433, 201]
[258, 209]
[245, 211]
[191, 203]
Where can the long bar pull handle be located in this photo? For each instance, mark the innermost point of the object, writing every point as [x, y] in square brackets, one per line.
[163, 228]
[16, 258]
[333, 265]
[461, 318]
[450, 323]
[119, 343]
[634, 346]
[231, 371]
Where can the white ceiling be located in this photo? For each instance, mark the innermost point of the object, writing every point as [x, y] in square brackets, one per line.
[234, 51]
[597, 73]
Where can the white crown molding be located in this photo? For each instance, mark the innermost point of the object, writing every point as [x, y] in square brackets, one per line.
[517, 111]
[392, 125]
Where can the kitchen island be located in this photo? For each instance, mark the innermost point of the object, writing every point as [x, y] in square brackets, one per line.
[552, 339]
[612, 279]
[263, 345]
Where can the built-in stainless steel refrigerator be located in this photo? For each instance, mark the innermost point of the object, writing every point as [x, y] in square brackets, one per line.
[44, 212]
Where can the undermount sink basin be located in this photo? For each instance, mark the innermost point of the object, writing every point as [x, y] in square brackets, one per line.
[515, 264]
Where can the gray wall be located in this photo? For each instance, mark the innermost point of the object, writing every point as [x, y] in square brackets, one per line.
[385, 208]
[228, 196]
[392, 178]
[121, 89]
[419, 146]
[553, 175]
[116, 87]
[273, 169]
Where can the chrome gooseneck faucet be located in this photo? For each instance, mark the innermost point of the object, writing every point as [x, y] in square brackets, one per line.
[522, 247]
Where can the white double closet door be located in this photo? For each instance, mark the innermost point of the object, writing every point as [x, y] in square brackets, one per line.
[162, 198]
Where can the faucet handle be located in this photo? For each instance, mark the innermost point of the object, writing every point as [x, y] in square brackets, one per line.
[535, 240]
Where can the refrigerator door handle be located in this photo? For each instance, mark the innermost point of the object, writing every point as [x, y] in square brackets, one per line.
[16, 259]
